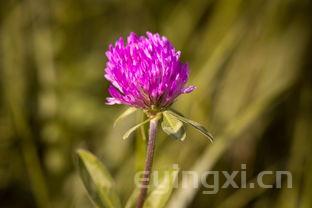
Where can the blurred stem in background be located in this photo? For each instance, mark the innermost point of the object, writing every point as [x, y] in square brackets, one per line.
[14, 78]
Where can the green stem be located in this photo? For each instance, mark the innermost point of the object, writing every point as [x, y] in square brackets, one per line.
[148, 161]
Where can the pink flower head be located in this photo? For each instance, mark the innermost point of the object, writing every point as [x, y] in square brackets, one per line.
[145, 72]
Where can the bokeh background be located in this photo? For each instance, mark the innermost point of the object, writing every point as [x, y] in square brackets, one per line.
[251, 61]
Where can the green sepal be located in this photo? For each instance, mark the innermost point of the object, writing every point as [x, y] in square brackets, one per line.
[127, 134]
[125, 114]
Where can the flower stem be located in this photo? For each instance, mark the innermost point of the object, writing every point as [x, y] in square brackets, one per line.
[148, 161]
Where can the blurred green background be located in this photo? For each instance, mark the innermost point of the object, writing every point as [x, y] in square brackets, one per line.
[251, 61]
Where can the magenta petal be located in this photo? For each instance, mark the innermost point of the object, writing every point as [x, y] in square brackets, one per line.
[145, 71]
[188, 89]
[112, 101]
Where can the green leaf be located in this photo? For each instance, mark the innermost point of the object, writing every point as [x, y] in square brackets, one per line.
[173, 126]
[127, 134]
[133, 199]
[196, 125]
[160, 195]
[97, 180]
[125, 114]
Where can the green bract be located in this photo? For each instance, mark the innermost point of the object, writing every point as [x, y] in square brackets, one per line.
[173, 124]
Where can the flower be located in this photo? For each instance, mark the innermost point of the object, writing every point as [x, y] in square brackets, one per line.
[145, 73]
